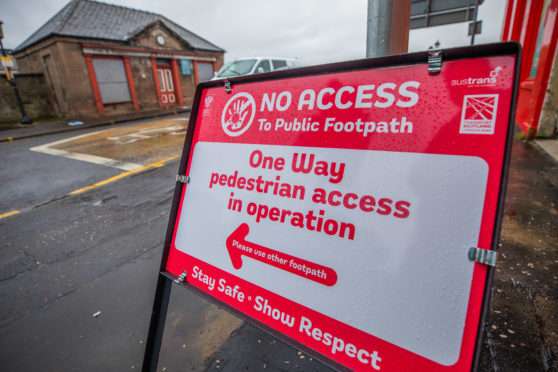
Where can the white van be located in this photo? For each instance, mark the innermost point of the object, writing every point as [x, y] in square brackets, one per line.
[254, 65]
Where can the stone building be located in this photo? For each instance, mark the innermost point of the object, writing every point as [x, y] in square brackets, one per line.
[102, 59]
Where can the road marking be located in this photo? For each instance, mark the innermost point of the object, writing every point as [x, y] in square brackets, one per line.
[149, 133]
[157, 164]
[142, 134]
[47, 149]
[8, 214]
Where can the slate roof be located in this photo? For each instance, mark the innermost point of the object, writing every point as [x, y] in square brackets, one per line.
[96, 20]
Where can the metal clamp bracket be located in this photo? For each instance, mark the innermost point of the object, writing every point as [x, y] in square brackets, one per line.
[182, 179]
[181, 277]
[434, 61]
[483, 256]
[228, 87]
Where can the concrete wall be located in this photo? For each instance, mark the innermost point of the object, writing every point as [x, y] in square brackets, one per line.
[548, 121]
[34, 93]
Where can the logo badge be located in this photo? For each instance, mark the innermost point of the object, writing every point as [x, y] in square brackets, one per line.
[480, 81]
[494, 73]
[479, 114]
[238, 114]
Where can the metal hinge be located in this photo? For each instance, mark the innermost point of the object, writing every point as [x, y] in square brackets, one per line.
[228, 87]
[181, 277]
[434, 61]
[483, 256]
[183, 179]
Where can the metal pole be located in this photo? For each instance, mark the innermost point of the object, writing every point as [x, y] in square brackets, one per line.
[378, 28]
[387, 29]
[11, 80]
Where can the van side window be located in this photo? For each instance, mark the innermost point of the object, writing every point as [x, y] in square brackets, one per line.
[264, 65]
[279, 64]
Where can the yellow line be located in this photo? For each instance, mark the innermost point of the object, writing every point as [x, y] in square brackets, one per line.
[8, 214]
[124, 174]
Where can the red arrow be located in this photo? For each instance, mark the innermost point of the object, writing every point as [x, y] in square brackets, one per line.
[238, 247]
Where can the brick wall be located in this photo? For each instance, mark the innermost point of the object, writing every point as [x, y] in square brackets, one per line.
[144, 81]
[148, 39]
[62, 63]
[74, 80]
[34, 93]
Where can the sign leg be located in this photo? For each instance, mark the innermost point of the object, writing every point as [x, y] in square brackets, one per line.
[157, 324]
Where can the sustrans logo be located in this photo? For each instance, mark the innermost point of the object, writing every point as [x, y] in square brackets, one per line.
[492, 79]
[238, 114]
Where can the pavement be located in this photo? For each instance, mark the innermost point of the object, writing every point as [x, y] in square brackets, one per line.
[22, 131]
[550, 146]
[522, 323]
[521, 326]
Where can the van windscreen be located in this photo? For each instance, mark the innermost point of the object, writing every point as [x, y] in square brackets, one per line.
[236, 68]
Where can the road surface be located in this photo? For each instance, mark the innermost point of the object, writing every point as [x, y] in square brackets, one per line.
[83, 217]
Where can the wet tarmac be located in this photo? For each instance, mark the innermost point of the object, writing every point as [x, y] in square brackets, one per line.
[77, 278]
[138, 145]
[67, 259]
[522, 325]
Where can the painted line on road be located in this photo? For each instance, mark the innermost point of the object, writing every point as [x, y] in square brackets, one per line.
[89, 158]
[127, 166]
[47, 149]
[8, 214]
[157, 164]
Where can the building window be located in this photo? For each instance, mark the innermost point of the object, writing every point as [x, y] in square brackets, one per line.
[205, 71]
[112, 81]
[162, 85]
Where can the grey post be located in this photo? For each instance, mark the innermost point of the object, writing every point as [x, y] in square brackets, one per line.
[378, 27]
[387, 27]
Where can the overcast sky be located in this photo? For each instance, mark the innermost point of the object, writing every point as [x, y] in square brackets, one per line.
[314, 31]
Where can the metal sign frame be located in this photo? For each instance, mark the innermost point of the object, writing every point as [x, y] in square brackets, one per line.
[165, 279]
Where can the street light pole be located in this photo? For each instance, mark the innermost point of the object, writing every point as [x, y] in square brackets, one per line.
[387, 27]
[378, 28]
[11, 80]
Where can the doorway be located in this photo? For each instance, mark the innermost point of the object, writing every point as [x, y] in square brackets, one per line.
[167, 93]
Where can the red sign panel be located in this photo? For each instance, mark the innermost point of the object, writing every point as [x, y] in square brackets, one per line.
[337, 209]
